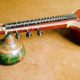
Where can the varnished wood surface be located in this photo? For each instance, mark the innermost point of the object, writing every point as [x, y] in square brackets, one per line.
[50, 57]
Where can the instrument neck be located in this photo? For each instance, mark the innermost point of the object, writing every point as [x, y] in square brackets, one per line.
[54, 22]
[40, 21]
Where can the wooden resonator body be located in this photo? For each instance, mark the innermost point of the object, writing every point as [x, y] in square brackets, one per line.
[75, 30]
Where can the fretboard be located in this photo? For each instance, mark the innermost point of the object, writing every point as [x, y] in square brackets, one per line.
[39, 21]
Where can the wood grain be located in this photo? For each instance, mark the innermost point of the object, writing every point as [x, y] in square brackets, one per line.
[49, 57]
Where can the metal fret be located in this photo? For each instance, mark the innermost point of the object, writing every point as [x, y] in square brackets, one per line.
[39, 21]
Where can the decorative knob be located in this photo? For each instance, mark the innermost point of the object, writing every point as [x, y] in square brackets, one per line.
[18, 36]
[39, 33]
[28, 34]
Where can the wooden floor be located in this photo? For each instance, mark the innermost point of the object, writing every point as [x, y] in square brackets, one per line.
[52, 56]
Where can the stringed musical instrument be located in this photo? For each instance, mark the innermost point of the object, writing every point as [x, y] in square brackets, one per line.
[12, 51]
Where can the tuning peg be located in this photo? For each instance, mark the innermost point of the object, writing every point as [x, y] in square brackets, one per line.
[18, 36]
[28, 34]
[39, 33]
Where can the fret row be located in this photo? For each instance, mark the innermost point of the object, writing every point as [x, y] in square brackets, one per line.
[39, 21]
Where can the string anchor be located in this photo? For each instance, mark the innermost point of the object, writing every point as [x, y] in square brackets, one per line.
[28, 34]
[18, 36]
[39, 33]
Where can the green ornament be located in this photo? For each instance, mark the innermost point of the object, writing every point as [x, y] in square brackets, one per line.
[11, 50]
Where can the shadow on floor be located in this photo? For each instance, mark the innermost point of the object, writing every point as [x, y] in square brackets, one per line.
[68, 35]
